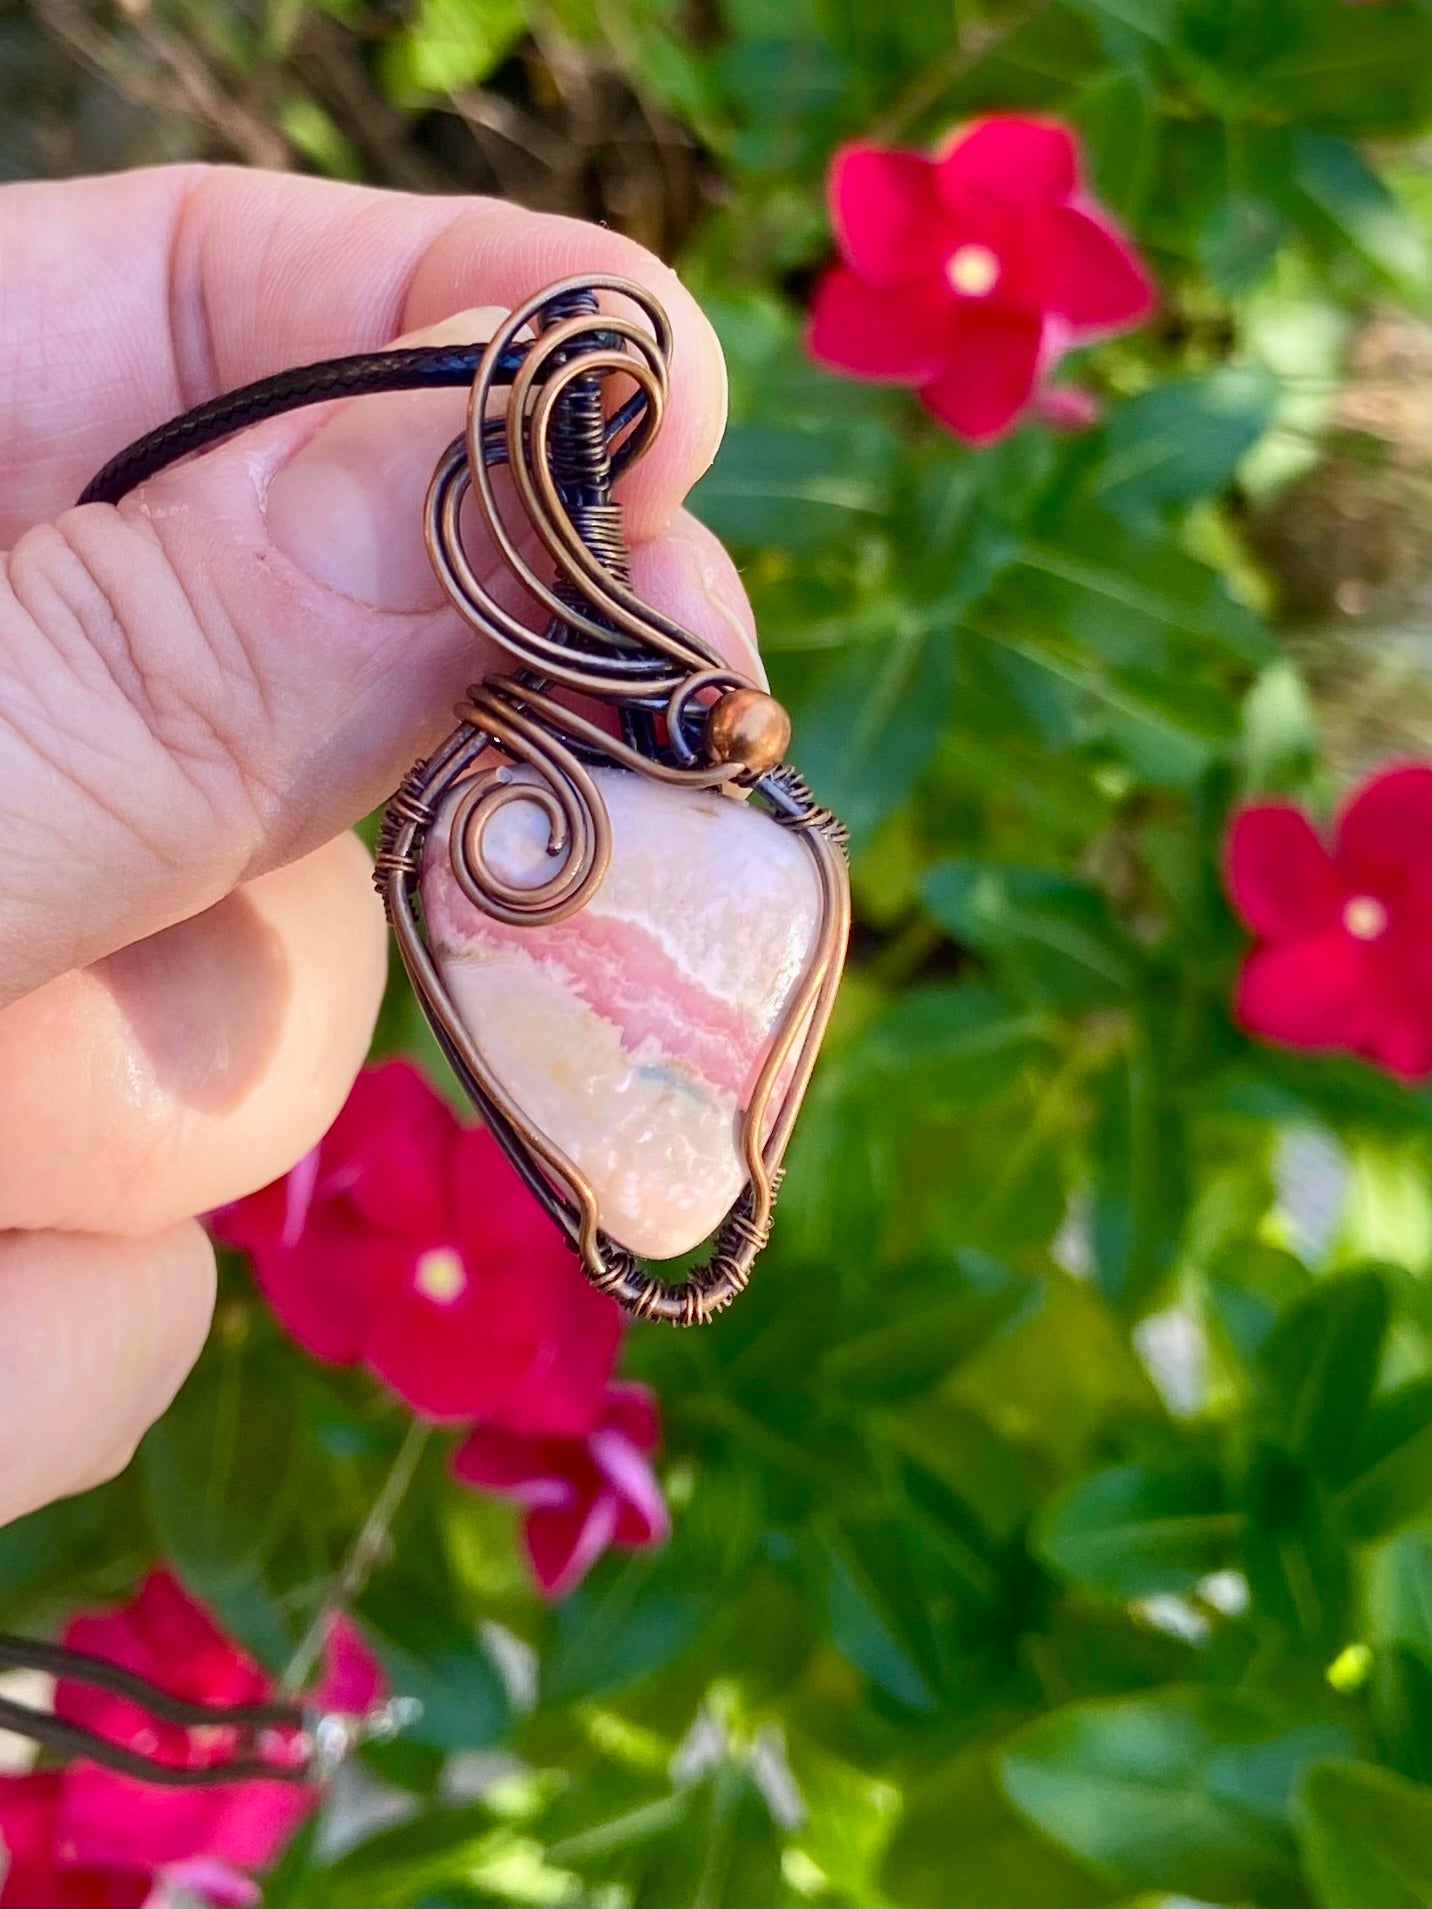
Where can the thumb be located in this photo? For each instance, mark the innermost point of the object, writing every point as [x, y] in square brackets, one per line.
[241, 660]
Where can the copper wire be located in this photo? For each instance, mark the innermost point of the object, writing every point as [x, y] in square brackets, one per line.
[599, 640]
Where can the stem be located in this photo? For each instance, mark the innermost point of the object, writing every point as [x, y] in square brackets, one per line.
[929, 87]
[362, 1556]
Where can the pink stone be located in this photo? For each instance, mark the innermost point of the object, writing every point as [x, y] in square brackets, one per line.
[632, 1033]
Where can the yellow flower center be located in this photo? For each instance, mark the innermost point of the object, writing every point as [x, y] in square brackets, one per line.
[973, 270]
[440, 1276]
[1365, 918]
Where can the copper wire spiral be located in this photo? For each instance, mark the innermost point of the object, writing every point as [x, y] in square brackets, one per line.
[517, 741]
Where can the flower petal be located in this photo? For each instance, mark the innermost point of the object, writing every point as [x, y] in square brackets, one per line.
[530, 1471]
[1399, 1037]
[886, 212]
[460, 1358]
[559, 1387]
[1279, 877]
[896, 337]
[991, 374]
[642, 1516]
[1385, 831]
[202, 1880]
[1020, 162]
[327, 1291]
[634, 1411]
[110, 1820]
[352, 1678]
[31, 1869]
[1312, 994]
[564, 1545]
[388, 1151]
[1067, 407]
[1087, 273]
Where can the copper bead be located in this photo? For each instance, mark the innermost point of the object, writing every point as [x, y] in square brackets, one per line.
[749, 727]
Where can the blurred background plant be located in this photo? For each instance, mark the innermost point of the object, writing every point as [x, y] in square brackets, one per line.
[1052, 1521]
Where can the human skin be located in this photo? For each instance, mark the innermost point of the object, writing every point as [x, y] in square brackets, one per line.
[200, 691]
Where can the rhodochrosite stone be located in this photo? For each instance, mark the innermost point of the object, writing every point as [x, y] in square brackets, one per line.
[632, 1032]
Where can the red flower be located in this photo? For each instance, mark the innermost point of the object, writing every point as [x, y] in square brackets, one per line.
[580, 1494]
[1344, 961]
[969, 274]
[89, 1835]
[34, 1873]
[407, 1243]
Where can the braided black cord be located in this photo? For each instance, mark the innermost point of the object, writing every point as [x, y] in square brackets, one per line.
[414, 368]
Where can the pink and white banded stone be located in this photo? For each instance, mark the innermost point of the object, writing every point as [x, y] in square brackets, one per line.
[632, 1032]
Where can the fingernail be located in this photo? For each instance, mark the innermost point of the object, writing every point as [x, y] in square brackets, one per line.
[347, 508]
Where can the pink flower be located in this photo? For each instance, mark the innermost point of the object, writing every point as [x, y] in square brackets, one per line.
[1344, 954]
[110, 1819]
[1067, 407]
[35, 1873]
[407, 1243]
[580, 1494]
[89, 1835]
[968, 274]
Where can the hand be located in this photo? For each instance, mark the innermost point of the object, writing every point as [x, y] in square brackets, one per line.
[199, 691]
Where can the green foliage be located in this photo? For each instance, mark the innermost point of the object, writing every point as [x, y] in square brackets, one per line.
[1053, 1518]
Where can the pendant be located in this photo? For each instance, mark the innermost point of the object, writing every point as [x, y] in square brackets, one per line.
[623, 914]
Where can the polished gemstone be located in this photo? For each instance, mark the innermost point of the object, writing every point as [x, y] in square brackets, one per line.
[632, 1033]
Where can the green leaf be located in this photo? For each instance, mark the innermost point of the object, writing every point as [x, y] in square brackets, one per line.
[1280, 738]
[1059, 1374]
[1402, 1709]
[871, 727]
[75, 1548]
[781, 487]
[1133, 1531]
[947, 1049]
[1181, 440]
[725, 1851]
[1389, 1479]
[1335, 177]
[421, 1859]
[1366, 1837]
[1139, 1167]
[625, 1624]
[899, 1356]
[1249, 1286]
[882, 1613]
[1295, 1553]
[431, 1654]
[1369, 72]
[225, 1470]
[1400, 1592]
[1318, 1367]
[1002, 1862]
[1054, 936]
[1182, 1791]
[449, 45]
[1136, 600]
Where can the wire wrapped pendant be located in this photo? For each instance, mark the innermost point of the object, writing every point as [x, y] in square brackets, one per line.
[630, 970]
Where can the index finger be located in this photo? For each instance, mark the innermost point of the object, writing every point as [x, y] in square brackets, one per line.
[129, 298]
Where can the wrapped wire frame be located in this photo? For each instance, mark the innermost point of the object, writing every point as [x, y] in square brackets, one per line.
[599, 641]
